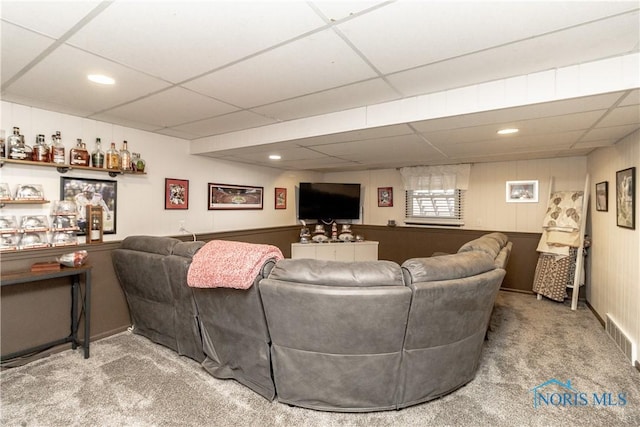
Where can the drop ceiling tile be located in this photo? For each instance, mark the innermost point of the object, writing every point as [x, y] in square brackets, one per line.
[417, 33]
[71, 67]
[53, 18]
[15, 55]
[338, 10]
[223, 124]
[179, 40]
[528, 128]
[512, 145]
[516, 114]
[171, 107]
[286, 72]
[343, 98]
[359, 135]
[613, 134]
[572, 46]
[622, 116]
[632, 99]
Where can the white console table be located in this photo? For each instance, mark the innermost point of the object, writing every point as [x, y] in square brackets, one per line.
[336, 251]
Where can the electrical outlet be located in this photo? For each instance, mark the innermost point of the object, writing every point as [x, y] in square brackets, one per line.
[181, 226]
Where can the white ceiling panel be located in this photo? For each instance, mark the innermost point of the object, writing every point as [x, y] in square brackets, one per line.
[286, 72]
[528, 128]
[339, 99]
[53, 18]
[226, 123]
[172, 107]
[621, 116]
[519, 114]
[610, 134]
[194, 39]
[15, 56]
[338, 10]
[417, 33]
[562, 48]
[359, 135]
[69, 68]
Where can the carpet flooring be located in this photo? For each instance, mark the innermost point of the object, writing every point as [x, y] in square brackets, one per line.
[535, 349]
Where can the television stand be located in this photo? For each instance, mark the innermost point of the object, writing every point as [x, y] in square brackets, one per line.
[336, 251]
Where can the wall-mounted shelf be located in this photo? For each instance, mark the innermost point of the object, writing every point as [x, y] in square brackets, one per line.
[64, 168]
[3, 203]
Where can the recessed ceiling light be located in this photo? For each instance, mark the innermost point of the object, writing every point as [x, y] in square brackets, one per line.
[508, 131]
[101, 79]
[275, 156]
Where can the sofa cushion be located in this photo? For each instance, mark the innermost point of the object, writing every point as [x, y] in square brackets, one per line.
[151, 244]
[447, 267]
[488, 245]
[187, 249]
[337, 273]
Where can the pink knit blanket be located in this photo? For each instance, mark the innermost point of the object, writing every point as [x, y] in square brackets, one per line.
[228, 264]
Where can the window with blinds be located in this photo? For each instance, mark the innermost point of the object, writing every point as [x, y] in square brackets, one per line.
[435, 207]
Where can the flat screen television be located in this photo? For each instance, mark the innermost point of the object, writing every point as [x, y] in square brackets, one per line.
[327, 201]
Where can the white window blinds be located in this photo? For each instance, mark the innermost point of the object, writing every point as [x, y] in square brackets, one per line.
[435, 194]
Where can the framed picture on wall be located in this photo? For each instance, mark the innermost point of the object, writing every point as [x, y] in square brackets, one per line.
[625, 198]
[385, 197]
[602, 196]
[281, 198]
[176, 193]
[224, 197]
[95, 192]
[522, 191]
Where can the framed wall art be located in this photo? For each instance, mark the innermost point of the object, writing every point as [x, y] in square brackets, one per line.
[225, 197]
[522, 191]
[602, 196]
[625, 198]
[385, 197]
[176, 193]
[94, 192]
[281, 198]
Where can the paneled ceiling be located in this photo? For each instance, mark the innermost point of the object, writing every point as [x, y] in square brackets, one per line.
[337, 85]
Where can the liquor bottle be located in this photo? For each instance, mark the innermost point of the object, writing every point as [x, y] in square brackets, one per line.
[40, 150]
[97, 156]
[53, 142]
[15, 145]
[137, 163]
[3, 152]
[125, 157]
[113, 158]
[58, 150]
[79, 155]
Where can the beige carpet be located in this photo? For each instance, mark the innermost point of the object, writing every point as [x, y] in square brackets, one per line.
[130, 381]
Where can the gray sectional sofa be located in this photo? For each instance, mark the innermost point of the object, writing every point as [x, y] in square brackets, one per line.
[335, 336]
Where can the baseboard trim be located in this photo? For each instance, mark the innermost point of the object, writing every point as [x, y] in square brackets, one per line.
[519, 291]
[595, 313]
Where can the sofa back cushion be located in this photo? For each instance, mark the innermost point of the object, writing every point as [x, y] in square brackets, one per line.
[151, 244]
[447, 267]
[337, 273]
[489, 246]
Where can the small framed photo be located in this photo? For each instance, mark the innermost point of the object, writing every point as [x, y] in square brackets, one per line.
[176, 193]
[281, 198]
[522, 192]
[625, 198]
[602, 196]
[385, 197]
[226, 197]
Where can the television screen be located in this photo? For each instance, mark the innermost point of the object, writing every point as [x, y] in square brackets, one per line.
[328, 201]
